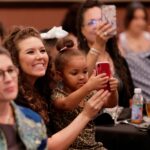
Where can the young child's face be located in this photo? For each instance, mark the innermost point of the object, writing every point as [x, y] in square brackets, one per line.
[75, 73]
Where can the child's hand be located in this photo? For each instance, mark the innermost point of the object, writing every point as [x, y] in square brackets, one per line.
[97, 82]
[113, 82]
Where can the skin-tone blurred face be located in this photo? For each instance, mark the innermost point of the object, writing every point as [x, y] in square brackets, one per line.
[91, 20]
[8, 79]
[33, 58]
[75, 73]
[138, 24]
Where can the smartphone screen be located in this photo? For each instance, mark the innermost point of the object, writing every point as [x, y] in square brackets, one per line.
[109, 15]
[104, 67]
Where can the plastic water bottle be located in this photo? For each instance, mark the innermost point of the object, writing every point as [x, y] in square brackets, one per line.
[137, 106]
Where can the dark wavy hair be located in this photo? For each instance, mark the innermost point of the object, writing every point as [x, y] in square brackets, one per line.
[69, 21]
[132, 7]
[36, 97]
[83, 45]
[120, 64]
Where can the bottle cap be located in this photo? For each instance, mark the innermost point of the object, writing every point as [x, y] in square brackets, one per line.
[137, 90]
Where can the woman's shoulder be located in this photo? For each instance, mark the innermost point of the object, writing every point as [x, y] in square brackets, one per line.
[30, 114]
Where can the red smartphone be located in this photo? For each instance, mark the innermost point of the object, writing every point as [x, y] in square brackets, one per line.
[109, 15]
[104, 67]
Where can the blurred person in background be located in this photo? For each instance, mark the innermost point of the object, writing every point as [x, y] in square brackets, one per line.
[96, 39]
[134, 44]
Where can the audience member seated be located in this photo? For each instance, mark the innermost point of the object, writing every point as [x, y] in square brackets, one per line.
[135, 46]
[96, 39]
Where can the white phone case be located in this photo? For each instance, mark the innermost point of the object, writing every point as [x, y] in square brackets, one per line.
[109, 15]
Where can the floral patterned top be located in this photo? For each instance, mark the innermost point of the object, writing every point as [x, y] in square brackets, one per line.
[30, 128]
[86, 139]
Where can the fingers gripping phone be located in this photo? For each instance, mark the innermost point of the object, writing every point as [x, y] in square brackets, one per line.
[104, 67]
[109, 15]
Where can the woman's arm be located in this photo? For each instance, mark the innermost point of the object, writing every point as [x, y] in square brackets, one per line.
[64, 138]
[99, 45]
[112, 101]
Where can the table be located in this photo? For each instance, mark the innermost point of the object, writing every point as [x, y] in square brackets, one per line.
[123, 137]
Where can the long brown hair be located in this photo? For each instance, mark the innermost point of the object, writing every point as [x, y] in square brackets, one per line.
[36, 97]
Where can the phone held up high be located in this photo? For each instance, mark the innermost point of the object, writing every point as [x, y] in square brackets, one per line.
[109, 15]
[104, 67]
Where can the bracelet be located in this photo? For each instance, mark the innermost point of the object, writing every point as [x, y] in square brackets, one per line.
[94, 51]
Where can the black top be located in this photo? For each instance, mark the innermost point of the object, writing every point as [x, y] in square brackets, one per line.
[13, 140]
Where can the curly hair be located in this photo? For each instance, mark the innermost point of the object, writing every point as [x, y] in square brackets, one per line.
[36, 97]
[120, 64]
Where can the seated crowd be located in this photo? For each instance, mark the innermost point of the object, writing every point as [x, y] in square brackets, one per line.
[50, 93]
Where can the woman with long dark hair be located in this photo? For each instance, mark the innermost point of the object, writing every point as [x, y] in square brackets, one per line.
[97, 40]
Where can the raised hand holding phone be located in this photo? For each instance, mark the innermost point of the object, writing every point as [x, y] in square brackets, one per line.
[109, 15]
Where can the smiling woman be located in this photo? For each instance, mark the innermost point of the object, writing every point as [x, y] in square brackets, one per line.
[32, 61]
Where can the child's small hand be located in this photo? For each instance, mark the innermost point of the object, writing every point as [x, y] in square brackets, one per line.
[97, 82]
[113, 82]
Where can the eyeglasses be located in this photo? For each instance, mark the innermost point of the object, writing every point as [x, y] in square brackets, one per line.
[11, 71]
[93, 22]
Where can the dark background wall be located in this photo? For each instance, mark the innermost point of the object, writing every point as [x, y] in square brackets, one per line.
[45, 14]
